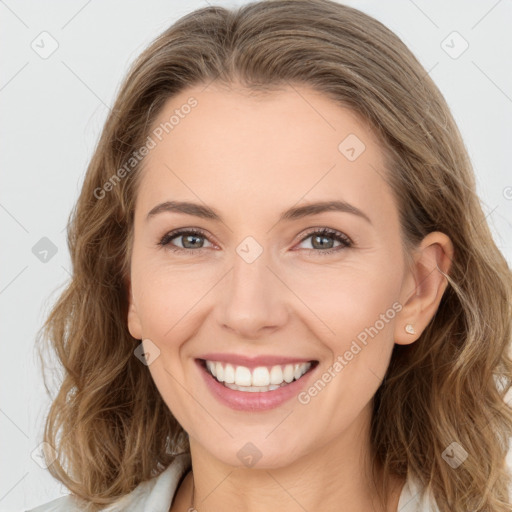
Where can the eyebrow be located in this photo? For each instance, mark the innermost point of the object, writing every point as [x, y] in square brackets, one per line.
[298, 212]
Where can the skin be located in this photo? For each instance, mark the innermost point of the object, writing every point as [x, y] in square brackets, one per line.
[250, 158]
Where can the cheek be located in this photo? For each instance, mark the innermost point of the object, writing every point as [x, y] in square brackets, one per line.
[350, 298]
[168, 295]
[357, 305]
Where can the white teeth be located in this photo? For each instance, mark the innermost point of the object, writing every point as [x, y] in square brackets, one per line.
[288, 373]
[276, 375]
[219, 372]
[242, 376]
[211, 367]
[229, 374]
[260, 378]
[253, 389]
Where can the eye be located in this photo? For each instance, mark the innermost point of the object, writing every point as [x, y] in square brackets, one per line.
[323, 239]
[192, 240]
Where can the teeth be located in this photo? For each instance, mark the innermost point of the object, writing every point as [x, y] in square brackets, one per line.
[242, 376]
[260, 378]
[276, 375]
[211, 367]
[297, 371]
[288, 373]
[254, 389]
[229, 374]
[219, 372]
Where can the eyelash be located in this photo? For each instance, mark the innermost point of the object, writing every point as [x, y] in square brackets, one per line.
[332, 233]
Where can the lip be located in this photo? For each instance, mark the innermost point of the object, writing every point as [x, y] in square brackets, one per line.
[257, 401]
[252, 362]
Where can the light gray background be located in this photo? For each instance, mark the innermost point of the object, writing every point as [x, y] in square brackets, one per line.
[53, 110]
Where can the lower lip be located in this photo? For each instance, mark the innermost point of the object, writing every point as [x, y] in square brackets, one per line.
[253, 401]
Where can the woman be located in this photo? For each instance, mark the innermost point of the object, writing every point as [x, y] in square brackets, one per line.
[284, 288]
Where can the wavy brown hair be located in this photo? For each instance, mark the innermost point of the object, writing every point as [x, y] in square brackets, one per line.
[108, 422]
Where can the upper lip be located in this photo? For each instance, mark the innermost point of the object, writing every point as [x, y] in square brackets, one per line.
[253, 362]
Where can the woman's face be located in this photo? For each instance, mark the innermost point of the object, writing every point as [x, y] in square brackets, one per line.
[258, 279]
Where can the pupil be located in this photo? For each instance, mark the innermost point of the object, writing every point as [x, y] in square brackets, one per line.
[186, 238]
[322, 238]
[319, 241]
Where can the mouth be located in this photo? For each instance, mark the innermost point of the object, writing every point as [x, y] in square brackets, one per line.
[260, 379]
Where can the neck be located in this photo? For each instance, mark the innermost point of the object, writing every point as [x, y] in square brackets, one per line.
[335, 476]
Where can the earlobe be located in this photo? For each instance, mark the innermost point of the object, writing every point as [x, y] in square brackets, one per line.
[409, 328]
[424, 286]
[134, 325]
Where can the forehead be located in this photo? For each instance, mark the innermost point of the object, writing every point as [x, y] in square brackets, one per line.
[262, 150]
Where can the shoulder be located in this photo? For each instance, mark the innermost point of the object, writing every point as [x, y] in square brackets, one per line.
[414, 498]
[65, 503]
[155, 494]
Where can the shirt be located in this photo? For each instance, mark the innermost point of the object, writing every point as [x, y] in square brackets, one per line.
[156, 494]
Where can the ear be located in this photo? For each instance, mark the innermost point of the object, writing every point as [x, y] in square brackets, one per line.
[423, 286]
[134, 324]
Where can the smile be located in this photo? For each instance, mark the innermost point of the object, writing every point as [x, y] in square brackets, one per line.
[259, 379]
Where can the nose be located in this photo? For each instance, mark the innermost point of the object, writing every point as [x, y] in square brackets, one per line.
[253, 301]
